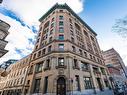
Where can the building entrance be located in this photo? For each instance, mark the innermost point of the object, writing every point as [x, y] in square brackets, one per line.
[61, 86]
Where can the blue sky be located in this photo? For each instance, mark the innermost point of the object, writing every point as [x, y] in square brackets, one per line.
[101, 15]
[23, 17]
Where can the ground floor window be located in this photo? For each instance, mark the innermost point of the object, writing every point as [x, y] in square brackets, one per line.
[37, 85]
[45, 85]
[87, 83]
[77, 82]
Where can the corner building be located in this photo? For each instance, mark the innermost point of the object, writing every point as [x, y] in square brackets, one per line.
[66, 59]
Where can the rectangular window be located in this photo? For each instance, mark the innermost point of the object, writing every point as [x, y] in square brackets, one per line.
[61, 47]
[51, 31]
[53, 19]
[80, 51]
[45, 85]
[61, 23]
[106, 83]
[61, 11]
[87, 83]
[28, 81]
[47, 63]
[61, 29]
[77, 82]
[50, 39]
[75, 63]
[70, 20]
[49, 48]
[52, 25]
[84, 66]
[31, 70]
[85, 53]
[73, 48]
[72, 39]
[60, 17]
[39, 67]
[61, 37]
[43, 51]
[39, 53]
[60, 61]
[34, 56]
[37, 85]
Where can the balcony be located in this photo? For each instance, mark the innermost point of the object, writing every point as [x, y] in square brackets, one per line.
[2, 52]
[4, 25]
[3, 44]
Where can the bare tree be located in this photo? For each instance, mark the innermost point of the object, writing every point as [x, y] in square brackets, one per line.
[120, 27]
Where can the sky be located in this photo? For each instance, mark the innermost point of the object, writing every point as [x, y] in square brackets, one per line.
[23, 15]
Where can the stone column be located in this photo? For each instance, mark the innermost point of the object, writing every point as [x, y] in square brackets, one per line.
[102, 79]
[93, 78]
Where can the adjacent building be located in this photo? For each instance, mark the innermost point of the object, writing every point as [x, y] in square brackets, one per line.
[66, 58]
[117, 69]
[4, 27]
[7, 63]
[112, 57]
[13, 83]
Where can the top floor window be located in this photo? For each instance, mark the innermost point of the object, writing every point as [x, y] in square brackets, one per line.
[85, 33]
[77, 26]
[61, 11]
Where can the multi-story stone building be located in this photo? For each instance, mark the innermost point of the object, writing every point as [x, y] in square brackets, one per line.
[66, 58]
[7, 63]
[3, 33]
[14, 81]
[118, 82]
[117, 69]
[112, 57]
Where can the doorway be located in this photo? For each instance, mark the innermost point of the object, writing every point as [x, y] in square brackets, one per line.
[61, 86]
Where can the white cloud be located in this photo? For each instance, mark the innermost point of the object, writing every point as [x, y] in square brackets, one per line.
[31, 10]
[17, 38]
[115, 41]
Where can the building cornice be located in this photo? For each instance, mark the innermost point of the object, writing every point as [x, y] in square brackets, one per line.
[65, 6]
